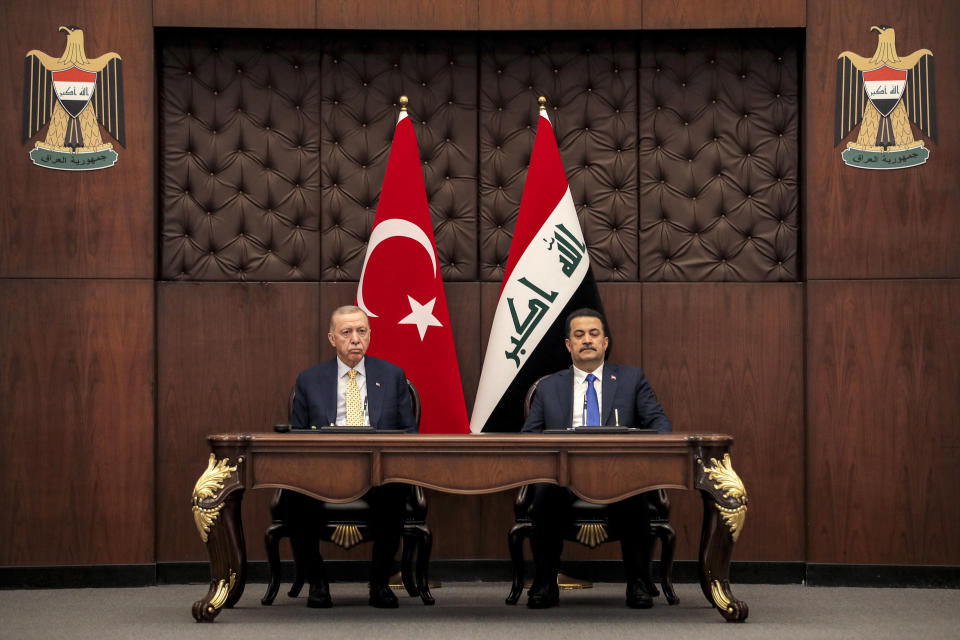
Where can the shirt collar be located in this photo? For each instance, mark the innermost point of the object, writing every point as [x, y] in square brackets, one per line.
[579, 376]
[342, 369]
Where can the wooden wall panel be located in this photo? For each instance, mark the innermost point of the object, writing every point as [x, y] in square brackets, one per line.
[388, 14]
[228, 355]
[463, 303]
[254, 14]
[76, 422]
[553, 14]
[622, 306]
[881, 224]
[723, 14]
[883, 406]
[729, 358]
[79, 223]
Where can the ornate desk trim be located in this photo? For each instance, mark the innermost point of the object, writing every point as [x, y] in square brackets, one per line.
[470, 464]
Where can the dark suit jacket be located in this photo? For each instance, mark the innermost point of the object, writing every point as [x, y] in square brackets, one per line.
[388, 398]
[624, 388]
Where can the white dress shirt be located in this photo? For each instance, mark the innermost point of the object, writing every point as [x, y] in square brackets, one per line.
[343, 376]
[580, 394]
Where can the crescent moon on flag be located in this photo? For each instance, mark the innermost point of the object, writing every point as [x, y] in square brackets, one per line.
[393, 228]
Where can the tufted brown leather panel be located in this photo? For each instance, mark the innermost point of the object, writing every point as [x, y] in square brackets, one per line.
[239, 157]
[364, 75]
[296, 201]
[589, 81]
[718, 155]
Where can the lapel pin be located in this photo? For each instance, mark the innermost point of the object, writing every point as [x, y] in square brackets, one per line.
[377, 383]
[612, 377]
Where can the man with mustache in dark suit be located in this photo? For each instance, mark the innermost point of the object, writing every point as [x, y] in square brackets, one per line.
[571, 398]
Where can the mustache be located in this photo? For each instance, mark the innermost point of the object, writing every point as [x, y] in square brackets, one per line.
[587, 348]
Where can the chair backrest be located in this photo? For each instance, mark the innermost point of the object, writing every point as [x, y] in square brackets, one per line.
[293, 393]
[527, 399]
[414, 401]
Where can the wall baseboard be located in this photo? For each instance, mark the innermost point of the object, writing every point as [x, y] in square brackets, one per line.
[814, 574]
[883, 575]
[77, 576]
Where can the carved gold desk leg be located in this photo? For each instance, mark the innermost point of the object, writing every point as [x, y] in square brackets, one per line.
[724, 511]
[216, 510]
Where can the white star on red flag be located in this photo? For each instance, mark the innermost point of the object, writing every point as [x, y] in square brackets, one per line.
[421, 315]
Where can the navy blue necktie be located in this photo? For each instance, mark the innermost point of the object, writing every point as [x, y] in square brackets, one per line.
[593, 405]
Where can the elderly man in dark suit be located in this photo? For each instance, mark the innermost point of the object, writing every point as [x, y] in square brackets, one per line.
[571, 398]
[358, 390]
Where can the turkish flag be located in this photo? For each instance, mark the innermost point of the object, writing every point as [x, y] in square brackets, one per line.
[401, 290]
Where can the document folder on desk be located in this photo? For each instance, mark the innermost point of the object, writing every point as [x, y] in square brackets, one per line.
[611, 429]
[286, 428]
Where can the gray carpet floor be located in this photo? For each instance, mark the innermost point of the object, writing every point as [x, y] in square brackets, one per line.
[476, 610]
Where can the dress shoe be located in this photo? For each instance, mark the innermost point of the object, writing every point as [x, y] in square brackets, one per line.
[381, 597]
[319, 597]
[637, 596]
[543, 597]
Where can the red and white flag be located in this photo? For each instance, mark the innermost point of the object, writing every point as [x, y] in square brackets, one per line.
[401, 290]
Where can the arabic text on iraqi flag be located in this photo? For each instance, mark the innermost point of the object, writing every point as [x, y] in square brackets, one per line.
[547, 276]
[401, 289]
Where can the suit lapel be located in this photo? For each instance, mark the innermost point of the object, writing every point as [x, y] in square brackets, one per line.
[374, 391]
[609, 390]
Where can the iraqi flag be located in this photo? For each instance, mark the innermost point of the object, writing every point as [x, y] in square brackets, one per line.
[401, 290]
[547, 276]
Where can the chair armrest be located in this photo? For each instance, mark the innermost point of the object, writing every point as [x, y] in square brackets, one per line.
[521, 506]
[416, 503]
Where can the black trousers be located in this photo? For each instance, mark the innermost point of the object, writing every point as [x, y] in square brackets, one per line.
[388, 505]
[387, 510]
[551, 515]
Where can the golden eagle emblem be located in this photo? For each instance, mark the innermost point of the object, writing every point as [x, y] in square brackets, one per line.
[74, 94]
[883, 94]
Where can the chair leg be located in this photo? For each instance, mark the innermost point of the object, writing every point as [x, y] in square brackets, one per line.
[272, 538]
[515, 539]
[645, 575]
[424, 547]
[411, 540]
[668, 543]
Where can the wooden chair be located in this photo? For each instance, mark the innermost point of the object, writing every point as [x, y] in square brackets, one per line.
[307, 521]
[590, 527]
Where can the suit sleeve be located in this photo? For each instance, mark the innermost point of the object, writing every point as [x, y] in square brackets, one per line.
[649, 411]
[300, 411]
[535, 421]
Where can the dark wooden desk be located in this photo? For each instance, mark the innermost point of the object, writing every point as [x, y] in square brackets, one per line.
[340, 468]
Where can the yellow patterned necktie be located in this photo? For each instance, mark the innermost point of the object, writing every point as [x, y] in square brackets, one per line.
[354, 406]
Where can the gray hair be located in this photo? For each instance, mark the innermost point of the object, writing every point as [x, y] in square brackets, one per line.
[345, 309]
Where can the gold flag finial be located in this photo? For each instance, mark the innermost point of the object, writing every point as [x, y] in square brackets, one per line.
[543, 102]
[403, 103]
